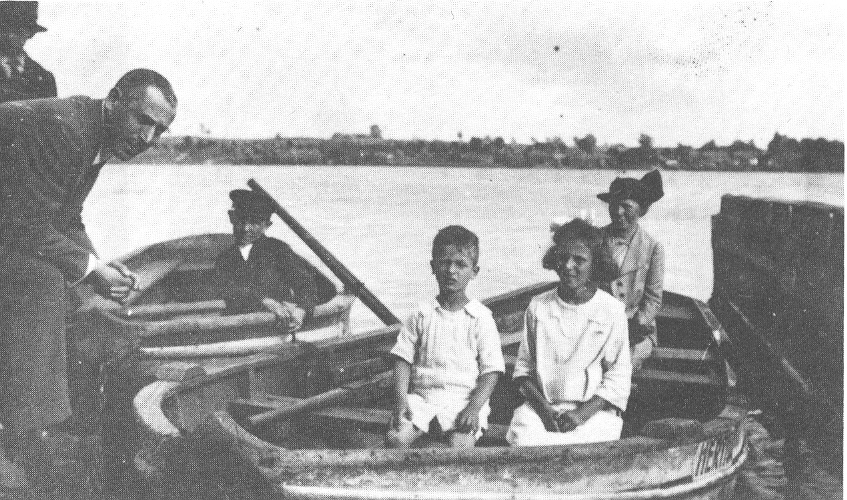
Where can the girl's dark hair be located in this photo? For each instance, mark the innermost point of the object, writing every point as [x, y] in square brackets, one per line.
[603, 266]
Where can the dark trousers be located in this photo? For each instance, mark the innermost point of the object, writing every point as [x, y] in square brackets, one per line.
[33, 358]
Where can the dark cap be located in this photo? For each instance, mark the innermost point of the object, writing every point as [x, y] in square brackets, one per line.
[645, 191]
[15, 15]
[251, 205]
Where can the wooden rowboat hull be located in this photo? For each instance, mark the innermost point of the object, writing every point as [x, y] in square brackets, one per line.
[201, 410]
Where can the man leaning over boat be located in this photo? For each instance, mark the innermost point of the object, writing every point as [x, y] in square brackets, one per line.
[51, 152]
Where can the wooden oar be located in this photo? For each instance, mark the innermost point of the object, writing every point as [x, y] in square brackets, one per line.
[350, 281]
[328, 398]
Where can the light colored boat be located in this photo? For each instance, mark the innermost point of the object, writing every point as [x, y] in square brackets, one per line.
[333, 396]
[176, 315]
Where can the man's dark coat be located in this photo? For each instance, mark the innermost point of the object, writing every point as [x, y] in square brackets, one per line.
[47, 148]
[34, 82]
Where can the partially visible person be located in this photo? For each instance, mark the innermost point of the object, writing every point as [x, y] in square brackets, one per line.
[640, 257]
[448, 356]
[51, 152]
[21, 78]
[262, 273]
[573, 366]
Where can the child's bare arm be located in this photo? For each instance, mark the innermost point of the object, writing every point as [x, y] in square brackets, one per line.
[468, 419]
[402, 375]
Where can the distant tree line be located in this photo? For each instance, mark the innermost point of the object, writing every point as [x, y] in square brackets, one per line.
[783, 154]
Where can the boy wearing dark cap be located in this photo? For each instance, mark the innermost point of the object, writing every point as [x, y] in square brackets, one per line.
[262, 273]
[640, 257]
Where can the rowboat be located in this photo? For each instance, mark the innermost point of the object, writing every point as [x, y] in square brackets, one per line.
[687, 440]
[176, 314]
[306, 420]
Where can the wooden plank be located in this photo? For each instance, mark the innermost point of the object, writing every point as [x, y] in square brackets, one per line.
[146, 310]
[672, 353]
[328, 398]
[359, 370]
[646, 374]
[355, 415]
[650, 375]
[368, 416]
[676, 312]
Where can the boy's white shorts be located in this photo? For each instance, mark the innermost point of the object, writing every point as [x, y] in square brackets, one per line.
[424, 411]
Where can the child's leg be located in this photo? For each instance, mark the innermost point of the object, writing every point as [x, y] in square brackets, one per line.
[402, 437]
[462, 439]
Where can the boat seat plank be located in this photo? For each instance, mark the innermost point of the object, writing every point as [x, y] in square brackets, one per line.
[359, 370]
[676, 312]
[355, 415]
[646, 375]
[659, 354]
[669, 353]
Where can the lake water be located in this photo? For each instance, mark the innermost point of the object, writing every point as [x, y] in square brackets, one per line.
[380, 221]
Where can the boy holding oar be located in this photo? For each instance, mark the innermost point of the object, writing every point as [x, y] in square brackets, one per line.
[447, 356]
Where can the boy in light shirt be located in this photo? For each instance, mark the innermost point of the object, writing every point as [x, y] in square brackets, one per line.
[447, 356]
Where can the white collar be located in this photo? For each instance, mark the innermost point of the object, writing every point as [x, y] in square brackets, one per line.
[473, 308]
[99, 159]
[245, 251]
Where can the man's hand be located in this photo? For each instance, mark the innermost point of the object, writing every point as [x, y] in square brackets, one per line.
[288, 315]
[467, 420]
[126, 273]
[113, 281]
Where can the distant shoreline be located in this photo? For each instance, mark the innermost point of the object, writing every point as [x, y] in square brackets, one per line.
[783, 154]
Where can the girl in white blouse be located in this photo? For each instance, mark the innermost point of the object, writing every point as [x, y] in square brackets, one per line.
[573, 365]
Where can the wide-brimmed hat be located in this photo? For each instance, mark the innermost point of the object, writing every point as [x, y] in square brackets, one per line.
[15, 15]
[645, 191]
[253, 206]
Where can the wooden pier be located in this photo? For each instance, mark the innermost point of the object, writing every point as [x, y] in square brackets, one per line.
[779, 288]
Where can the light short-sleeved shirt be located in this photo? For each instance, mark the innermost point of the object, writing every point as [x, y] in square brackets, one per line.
[448, 351]
[577, 351]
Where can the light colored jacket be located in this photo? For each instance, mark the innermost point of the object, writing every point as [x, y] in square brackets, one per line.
[641, 280]
[575, 352]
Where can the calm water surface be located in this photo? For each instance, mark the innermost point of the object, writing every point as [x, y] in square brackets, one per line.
[380, 221]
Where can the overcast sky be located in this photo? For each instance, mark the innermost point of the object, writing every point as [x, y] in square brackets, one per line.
[680, 73]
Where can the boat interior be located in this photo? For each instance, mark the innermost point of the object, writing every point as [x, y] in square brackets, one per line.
[686, 378]
[177, 303]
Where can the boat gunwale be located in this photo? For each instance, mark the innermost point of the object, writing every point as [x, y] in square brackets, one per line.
[239, 438]
[151, 329]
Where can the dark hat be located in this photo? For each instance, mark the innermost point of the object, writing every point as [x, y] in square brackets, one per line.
[250, 204]
[20, 14]
[645, 191]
